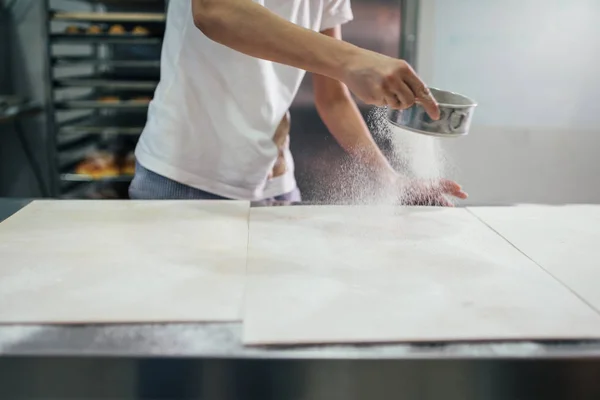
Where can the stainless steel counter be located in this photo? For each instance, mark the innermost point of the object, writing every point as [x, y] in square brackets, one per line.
[207, 361]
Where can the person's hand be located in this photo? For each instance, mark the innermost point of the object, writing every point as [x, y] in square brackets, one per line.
[430, 193]
[385, 81]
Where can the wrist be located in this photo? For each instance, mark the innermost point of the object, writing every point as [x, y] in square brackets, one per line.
[344, 60]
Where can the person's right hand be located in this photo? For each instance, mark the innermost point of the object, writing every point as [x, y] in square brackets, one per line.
[385, 81]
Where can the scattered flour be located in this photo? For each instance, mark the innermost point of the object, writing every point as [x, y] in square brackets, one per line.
[413, 155]
[11, 336]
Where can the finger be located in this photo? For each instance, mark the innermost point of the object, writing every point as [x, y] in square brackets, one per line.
[393, 102]
[448, 186]
[403, 93]
[423, 95]
[377, 99]
[452, 188]
[458, 194]
[461, 195]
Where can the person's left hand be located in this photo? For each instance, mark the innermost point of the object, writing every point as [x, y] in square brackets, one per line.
[430, 193]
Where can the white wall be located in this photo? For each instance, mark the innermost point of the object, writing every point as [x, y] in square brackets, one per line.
[533, 67]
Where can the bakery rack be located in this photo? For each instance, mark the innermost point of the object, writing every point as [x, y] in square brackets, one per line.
[103, 65]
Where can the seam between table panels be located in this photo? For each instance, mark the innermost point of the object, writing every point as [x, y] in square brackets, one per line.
[242, 309]
[536, 263]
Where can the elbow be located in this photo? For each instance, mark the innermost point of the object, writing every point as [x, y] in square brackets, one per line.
[208, 17]
[326, 100]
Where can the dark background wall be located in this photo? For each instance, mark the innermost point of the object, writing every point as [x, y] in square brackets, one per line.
[22, 73]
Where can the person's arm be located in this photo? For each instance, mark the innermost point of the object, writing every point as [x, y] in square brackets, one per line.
[341, 115]
[252, 29]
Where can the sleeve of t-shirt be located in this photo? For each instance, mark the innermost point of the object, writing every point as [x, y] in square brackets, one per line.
[336, 12]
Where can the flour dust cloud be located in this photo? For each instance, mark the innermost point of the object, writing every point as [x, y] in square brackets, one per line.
[412, 154]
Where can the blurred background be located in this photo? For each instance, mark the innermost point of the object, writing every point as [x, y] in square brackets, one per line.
[76, 78]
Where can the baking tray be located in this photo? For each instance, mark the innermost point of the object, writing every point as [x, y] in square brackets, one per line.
[78, 61]
[72, 177]
[109, 81]
[94, 102]
[109, 125]
[63, 38]
[68, 158]
[70, 144]
[108, 17]
[137, 3]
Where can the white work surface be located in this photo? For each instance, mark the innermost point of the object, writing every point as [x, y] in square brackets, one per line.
[563, 240]
[334, 274]
[123, 261]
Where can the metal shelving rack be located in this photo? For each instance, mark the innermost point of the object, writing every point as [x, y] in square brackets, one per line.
[87, 70]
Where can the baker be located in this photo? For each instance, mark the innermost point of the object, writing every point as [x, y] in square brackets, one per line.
[218, 125]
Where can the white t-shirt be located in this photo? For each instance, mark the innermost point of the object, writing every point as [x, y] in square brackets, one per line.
[215, 111]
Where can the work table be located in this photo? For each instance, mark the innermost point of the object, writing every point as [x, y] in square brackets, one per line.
[214, 350]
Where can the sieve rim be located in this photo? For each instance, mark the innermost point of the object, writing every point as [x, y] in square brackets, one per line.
[471, 102]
